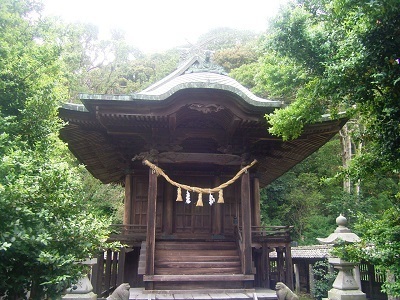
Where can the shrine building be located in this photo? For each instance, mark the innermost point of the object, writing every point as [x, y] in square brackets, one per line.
[192, 151]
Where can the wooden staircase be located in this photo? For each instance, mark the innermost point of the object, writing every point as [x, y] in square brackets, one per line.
[197, 265]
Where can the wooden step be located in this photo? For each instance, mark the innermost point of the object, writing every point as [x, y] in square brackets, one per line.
[191, 265]
[185, 252]
[209, 258]
[196, 278]
[204, 271]
[201, 294]
[214, 246]
[205, 286]
[199, 282]
[197, 264]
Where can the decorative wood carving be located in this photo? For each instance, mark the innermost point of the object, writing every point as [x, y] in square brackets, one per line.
[206, 108]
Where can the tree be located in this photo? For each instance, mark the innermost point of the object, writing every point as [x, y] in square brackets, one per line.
[40, 192]
[349, 51]
[232, 58]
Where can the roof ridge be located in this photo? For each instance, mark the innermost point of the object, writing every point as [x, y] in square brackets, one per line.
[179, 71]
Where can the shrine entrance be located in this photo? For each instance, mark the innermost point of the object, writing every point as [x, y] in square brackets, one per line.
[185, 219]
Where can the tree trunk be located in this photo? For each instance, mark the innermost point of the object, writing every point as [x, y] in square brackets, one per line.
[345, 142]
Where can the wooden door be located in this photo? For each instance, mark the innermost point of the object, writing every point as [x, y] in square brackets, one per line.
[140, 204]
[190, 218]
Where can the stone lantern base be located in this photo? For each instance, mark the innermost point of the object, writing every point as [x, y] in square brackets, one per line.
[87, 296]
[346, 295]
[82, 290]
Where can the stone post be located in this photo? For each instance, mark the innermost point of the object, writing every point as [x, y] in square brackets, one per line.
[345, 287]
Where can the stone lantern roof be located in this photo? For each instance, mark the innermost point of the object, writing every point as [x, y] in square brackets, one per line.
[342, 233]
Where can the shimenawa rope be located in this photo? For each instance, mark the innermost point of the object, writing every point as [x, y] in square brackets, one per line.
[198, 190]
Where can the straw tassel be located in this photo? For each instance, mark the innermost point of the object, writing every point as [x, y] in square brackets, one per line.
[220, 196]
[200, 200]
[179, 195]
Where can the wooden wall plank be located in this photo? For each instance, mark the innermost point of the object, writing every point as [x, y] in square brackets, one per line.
[128, 199]
[168, 209]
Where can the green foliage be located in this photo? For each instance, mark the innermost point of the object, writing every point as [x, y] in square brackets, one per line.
[311, 196]
[232, 58]
[349, 51]
[106, 200]
[41, 215]
[301, 197]
[324, 279]
[245, 74]
[279, 77]
[45, 227]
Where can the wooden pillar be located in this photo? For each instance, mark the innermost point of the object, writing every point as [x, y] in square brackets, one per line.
[297, 276]
[168, 209]
[371, 279]
[114, 270]
[289, 266]
[151, 223]
[268, 268]
[128, 199]
[107, 280]
[265, 266]
[280, 264]
[121, 266]
[256, 203]
[97, 274]
[246, 223]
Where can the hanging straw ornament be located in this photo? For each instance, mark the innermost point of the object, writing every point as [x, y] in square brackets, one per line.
[220, 196]
[200, 200]
[179, 195]
[188, 197]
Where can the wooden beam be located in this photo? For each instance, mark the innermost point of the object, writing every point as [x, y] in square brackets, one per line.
[151, 222]
[200, 158]
[246, 223]
[128, 199]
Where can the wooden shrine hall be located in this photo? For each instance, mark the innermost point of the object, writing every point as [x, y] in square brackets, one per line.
[193, 151]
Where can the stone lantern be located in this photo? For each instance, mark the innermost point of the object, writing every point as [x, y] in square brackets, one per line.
[83, 289]
[345, 287]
